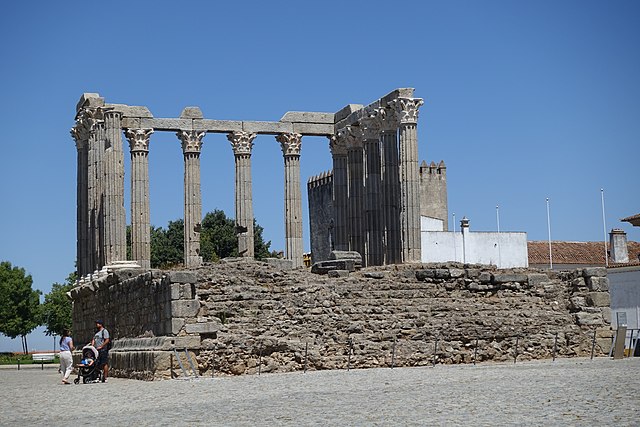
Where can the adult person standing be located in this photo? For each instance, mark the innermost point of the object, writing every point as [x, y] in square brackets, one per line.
[102, 342]
[66, 360]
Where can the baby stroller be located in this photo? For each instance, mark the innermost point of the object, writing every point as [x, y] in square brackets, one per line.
[88, 368]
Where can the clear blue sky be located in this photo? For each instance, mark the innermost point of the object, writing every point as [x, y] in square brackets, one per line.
[523, 101]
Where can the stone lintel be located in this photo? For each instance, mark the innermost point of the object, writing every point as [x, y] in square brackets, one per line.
[89, 100]
[345, 117]
[405, 92]
[166, 124]
[219, 126]
[269, 128]
[307, 117]
[129, 111]
[191, 113]
[313, 129]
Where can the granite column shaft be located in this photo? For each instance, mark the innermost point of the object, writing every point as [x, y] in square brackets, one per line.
[340, 193]
[191, 146]
[242, 143]
[291, 144]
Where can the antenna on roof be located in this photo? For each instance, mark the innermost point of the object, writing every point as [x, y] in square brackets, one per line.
[498, 216]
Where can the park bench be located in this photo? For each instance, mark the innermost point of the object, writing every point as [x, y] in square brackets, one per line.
[43, 357]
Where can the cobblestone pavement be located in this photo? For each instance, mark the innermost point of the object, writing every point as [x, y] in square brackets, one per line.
[564, 392]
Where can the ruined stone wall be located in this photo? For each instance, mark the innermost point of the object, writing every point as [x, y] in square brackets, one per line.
[240, 317]
[133, 303]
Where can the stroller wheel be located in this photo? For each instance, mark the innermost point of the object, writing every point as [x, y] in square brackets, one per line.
[76, 381]
[85, 380]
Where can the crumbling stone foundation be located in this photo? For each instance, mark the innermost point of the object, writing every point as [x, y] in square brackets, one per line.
[244, 316]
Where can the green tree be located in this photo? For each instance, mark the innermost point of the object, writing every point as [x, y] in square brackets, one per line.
[19, 303]
[56, 309]
[217, 240]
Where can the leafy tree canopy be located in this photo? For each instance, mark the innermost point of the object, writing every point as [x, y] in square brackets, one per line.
[56, 309]
[217, 240]
[19, 303]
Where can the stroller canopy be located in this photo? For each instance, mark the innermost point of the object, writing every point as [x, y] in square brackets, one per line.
[90, 350]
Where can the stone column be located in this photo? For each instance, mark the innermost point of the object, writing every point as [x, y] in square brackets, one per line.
[374, 223]
[355, 161]
[95, 199]
[140, 215]
[242, 143]
[390, 186]
[291, 143]
[191, 146]
[80, 133]
[338, 146]
[407, 110]
[115, 227]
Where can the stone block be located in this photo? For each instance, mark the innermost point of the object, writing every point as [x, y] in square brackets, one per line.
[442, 273]
[456, 273]
[202, 328]
[352, 255]
[595, 283]
[89, 100]
[185, 308]
[182, 277]
[307, 117]
[599, 299]
[536, 279]
[323, 267]
[425, 274]
[337, 273]
[279, 263]
[473, 273]
[594, 272]
[270, 128]
[313, 129]
[374, 274]
[509, 277]
[220, 126]
[606, 314]
[191, 113]
[126, 273]
[485, 277]
[166, 124]
[589, 319]
[176, 325]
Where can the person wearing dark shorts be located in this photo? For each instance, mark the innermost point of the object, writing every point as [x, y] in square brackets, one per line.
[101, 341]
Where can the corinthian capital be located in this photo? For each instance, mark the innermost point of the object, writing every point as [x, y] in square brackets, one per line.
[352, 135]
[138, 139]
[371, 124]
[241, 142]
[407, 109]
[338, 146]
[291, 143]
[387, 119]
[191, 140]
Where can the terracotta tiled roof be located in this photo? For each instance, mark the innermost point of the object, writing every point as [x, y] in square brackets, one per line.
[633, 219]
[587, 253]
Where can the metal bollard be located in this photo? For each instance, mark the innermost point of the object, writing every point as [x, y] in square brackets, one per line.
[213, 363]
[435, 350]
[555, 346]
[260, 364]
[306, 349]
[18, 364]
[475, 353]
[393, 353]
[593, 344]
[515, 354]
[171, 366]
[350, 351]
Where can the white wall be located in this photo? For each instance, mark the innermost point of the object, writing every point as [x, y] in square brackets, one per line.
[431, 224]
[504, 250]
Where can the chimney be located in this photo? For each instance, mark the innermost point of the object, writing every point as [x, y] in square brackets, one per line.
[618, 246]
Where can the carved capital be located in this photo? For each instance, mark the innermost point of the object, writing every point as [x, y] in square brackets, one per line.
[338, 146]
[138, 139]
[407, 109]
[241, 142]
[371, 124]
[387, 119]
[352, 135]
[291, 143]
[86, 121]
[191, 140]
